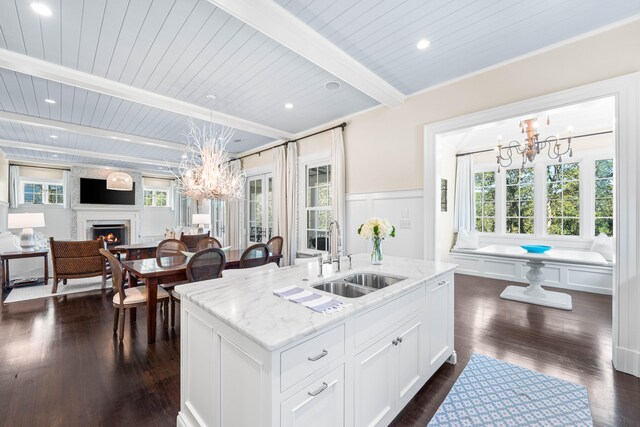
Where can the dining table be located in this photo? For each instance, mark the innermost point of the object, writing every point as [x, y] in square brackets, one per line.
[164, 270]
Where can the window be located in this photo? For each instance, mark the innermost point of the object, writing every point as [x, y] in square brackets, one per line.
[260, 208]
[485, 194]
[156, 198]
[520, 199]
[217, 228]
[42, 193]
[317, 208]
[563, 199]
[604, 197]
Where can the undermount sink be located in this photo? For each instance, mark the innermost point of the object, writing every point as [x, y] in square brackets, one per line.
[357, 285]
[342, 288]
[372, 280]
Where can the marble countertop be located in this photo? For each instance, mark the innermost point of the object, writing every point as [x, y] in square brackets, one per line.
[248, 304]
[552, 255]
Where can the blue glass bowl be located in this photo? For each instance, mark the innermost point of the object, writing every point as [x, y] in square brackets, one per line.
[536, 249]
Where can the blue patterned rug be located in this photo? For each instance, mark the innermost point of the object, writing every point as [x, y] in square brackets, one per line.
[490, 392]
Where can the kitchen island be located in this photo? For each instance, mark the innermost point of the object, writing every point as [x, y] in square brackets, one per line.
[251, 358]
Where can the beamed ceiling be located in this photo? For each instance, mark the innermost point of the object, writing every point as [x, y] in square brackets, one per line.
[126, 76]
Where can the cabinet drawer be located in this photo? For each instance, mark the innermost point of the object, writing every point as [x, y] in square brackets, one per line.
[320, 404]
[380, 320]
[304, 359]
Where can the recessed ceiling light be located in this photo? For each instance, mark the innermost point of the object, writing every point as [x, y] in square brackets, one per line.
[332, 85]
[288, 106]
[160, 167]
[423, 44]
[184, 156]
[49, 101]
[41, 8]
[211, 97]
[54, 155]
[53, 136]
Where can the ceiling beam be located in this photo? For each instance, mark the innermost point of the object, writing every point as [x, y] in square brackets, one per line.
[26, 161]
[87, 130]
[280, 25]
[85, 153]
[50, 71]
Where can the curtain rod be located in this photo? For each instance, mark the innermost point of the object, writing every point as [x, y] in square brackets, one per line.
[561, 139]
[341, 125]
[27, 165]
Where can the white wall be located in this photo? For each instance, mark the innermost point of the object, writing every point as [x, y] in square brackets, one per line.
[404, 209]
[446, 170]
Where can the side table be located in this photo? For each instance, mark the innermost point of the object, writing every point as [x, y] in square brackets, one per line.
[5, 257]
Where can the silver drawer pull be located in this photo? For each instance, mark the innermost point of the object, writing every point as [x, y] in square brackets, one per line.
[318, 357]
[322, 388]
[399, 339]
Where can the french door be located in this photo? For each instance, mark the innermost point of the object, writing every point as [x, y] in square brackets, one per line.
[217, 219]
[259, 208]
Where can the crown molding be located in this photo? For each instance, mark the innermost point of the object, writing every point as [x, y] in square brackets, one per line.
[58, 73]
[280, 25]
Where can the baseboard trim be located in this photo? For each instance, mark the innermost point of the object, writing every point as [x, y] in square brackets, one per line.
[627, 361]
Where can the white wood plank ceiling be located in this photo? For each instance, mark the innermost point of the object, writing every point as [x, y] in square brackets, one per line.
[186, 50]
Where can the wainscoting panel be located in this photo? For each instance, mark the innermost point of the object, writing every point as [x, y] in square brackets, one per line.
[405, 211]
[568, 276]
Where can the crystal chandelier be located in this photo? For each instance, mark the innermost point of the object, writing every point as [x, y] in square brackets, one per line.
[206, 171]
[532, 146]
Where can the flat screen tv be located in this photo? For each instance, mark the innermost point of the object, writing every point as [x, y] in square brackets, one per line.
[94, 191]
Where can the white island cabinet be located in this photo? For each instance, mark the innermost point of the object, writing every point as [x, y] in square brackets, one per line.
[250, 358]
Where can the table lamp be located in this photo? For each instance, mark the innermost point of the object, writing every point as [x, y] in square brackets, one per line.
[202, 220]
[26, 221]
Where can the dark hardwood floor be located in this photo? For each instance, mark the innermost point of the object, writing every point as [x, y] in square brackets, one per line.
[61, 366]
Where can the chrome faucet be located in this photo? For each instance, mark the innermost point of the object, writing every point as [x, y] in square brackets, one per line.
[334, 253]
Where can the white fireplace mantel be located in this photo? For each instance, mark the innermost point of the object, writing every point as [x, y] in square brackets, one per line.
[130, 217]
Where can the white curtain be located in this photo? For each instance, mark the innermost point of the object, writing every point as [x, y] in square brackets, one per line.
[66, 182]
[232, 219]
[14, 185]
[280, 222]
[464, 207]
[338, 187]
[291, 243]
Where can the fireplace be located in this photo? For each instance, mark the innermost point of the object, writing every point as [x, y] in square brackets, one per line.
[113, 234]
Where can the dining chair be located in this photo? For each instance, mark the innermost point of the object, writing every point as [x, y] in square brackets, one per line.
[207, 243]
[254, 256]
[243, 272]
[275, 245]
[191, 240]
[171, 248]
[129, 297]
[204, 265]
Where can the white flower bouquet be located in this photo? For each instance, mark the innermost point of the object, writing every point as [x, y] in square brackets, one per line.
[376, 230]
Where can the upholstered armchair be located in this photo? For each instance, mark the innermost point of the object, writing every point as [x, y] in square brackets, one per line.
[75, 260]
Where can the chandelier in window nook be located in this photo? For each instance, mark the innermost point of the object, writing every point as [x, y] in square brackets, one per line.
[206, 170]
[532, 146]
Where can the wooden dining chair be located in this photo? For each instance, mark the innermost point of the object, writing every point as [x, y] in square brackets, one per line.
[208, 243]
[191, 240]
[275, 245]
[255, 256]
[130, 297]
[204, 265]
[170, 248]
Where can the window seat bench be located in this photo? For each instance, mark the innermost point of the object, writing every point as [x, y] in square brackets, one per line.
[589, 273]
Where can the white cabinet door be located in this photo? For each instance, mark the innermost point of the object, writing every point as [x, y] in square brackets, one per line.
[320, 404]
[411, 353]
[374, 384]
[439, 312]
